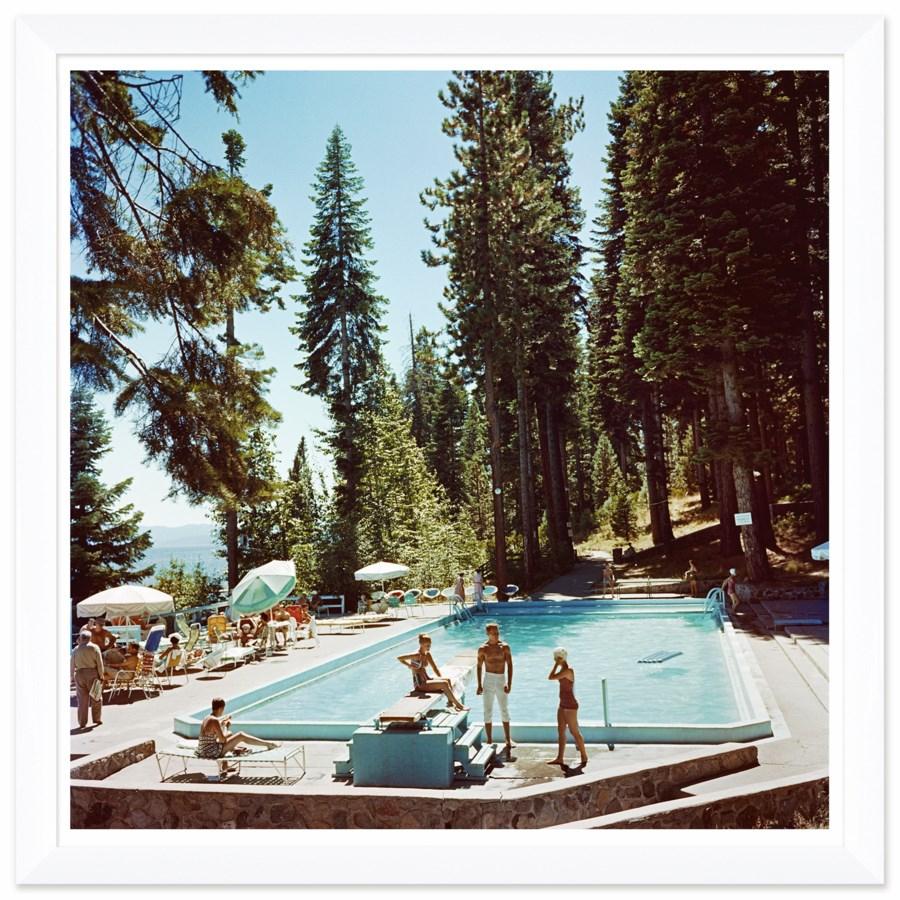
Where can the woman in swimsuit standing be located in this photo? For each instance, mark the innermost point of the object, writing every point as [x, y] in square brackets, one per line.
[567, 714]
[419, 662]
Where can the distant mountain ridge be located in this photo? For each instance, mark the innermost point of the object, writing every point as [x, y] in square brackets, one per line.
[183, 535]
[191, 544]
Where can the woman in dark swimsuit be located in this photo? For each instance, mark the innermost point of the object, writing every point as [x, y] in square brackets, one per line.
[567, 714]
[217, 740]
[419, 662]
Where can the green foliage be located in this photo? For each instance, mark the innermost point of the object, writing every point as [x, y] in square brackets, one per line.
[188, 588]
[619, 512]
[436, 402]
[170, 238]
[605, 470]
[105, 538]
[404, 515]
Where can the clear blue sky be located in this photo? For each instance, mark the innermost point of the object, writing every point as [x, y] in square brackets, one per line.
[392, 120]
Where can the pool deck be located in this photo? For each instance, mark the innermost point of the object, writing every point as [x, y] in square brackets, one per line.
[791, 680]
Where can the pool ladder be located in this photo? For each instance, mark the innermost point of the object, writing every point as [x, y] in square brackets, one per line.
[715, 603]
[458, 607]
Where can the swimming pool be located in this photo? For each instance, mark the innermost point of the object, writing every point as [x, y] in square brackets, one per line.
[703, 693]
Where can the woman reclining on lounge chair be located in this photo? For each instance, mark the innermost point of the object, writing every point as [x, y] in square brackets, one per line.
[418, 663]
[216, 740]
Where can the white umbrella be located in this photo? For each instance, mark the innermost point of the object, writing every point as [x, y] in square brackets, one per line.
[381, 571]
[820, 552]
[126, 600]
[261, 588]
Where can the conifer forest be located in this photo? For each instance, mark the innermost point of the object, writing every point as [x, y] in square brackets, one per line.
[602, 376]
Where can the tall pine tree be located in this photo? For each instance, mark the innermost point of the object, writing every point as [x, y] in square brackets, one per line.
[105, 537]
[338, 326]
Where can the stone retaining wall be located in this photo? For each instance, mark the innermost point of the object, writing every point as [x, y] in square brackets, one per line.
[96, 768]
[774, 803]
[220, 806]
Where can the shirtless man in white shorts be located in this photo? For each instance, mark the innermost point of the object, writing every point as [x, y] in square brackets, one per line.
[495, 658]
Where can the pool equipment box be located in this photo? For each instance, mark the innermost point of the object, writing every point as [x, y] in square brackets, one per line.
[403, 757]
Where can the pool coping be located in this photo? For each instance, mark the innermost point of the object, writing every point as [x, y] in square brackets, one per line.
[754, 724]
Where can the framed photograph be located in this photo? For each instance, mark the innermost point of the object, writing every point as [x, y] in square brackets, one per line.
[183, 171]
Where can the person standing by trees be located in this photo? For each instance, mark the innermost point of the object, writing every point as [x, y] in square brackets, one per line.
[691, 575]
[478, 588]
[729, 586]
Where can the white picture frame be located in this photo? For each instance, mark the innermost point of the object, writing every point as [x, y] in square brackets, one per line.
[851, 851]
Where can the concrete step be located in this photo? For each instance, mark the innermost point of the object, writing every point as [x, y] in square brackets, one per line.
[808, 670]
[811, 644]
[757, 775]
[817, 654]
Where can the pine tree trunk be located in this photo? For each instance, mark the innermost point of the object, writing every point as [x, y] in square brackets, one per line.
[557, 499]
[655, 465]
[699, 468]
[547, 481]
[763, 484]
[729, 539]
[493, 417]
[567, 536]
[580, 499]
[525, 476]
[809, 367]
[751, 537]
[801, 439]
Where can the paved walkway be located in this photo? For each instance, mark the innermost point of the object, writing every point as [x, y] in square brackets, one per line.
[153, 717]
[792, 685]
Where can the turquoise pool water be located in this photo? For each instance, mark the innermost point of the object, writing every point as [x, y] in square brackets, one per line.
[693, 688]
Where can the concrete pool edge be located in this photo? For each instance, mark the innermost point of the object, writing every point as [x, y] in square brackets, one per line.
[754, 723]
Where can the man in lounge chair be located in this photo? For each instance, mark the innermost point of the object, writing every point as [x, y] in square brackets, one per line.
[495, 658]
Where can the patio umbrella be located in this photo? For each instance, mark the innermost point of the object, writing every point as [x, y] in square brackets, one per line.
[126, 600]
[381, 571]
[263, 587]
[820, 552]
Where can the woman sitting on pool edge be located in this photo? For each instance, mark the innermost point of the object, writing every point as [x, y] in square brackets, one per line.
[567, 713]
[419, 662]
[216, 740]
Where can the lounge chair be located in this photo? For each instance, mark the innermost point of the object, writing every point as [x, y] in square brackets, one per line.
[155, 635]
[216, 626]
[283, 760]
[146, 678]
[181, 624]
[176, 659]
[123, 679]
[410, 599]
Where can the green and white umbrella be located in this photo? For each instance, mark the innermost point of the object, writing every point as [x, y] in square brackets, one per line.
[263, 587]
